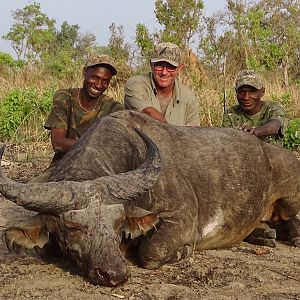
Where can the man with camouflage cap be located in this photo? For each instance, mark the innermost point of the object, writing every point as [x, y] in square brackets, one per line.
[74, 110]
[160, 94]
[263, 119]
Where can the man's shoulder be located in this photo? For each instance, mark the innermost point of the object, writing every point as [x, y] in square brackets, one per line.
[184, 91]
[233, 110]
[138, 79]
[272, 105]
[64, 94]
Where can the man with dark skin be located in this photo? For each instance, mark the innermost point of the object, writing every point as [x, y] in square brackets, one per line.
[263, 119]
[74, 110]
[160, 94]
[96, 82]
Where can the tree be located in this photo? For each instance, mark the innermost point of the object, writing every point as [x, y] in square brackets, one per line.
[31, 33]
[68, 51]
[68, 35]
[282, 17]
[144, 40]
[180, 20]
[119, 50]
[262, 35]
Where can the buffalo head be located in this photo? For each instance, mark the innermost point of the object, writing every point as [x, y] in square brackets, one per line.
[86, 218]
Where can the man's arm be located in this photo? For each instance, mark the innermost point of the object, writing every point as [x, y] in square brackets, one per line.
[57, 122]
[60, 142]
[270, 128]
[138, 95]
[152, 112]
[274, 125]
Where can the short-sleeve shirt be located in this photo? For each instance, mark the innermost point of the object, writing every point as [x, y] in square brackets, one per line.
[235, 117]
[183, 109]
[66, 113]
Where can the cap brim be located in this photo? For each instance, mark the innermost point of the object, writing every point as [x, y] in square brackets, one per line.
[108, 66]
[172, 62]
[257, 86]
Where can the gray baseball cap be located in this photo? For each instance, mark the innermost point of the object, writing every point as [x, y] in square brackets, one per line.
[102, 59]
[249, 77]
[167, 52]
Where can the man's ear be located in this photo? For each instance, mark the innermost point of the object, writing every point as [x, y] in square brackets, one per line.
[262, 91]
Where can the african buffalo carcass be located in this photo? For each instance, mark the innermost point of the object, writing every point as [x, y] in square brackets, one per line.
[204, 188]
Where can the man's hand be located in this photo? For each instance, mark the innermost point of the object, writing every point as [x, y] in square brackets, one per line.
[247, 128]
[269, 128]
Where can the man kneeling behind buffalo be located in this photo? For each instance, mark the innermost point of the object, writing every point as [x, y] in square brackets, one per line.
[264, 119]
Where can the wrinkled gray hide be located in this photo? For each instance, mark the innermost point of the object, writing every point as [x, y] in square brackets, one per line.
[214, 187]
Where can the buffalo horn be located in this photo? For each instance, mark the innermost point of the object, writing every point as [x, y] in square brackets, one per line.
[62, 196]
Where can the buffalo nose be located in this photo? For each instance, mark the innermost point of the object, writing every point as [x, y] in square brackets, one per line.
[109, 279]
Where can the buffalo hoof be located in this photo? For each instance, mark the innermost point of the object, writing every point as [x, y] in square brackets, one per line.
[261, 241]
[270, 233]
[296, 242]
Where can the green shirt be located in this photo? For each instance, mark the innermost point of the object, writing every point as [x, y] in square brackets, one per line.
[66, 113]
[140, 93]
[235, 117]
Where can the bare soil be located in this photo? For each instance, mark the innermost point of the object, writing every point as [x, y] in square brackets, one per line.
[241, 272]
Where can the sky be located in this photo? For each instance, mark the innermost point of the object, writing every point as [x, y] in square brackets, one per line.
[94, 16]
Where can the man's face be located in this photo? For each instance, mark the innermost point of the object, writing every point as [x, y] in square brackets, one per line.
[249, 99]
[96, 80]
[164, 74]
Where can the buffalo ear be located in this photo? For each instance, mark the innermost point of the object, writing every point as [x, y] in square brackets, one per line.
[138, 222]
[17, 238]
[28, 234]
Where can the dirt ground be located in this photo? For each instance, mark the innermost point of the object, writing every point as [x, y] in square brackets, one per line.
[241, 272]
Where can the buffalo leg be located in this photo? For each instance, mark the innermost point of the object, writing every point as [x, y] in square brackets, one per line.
[160, 248]
[262, 235]
[289, 231]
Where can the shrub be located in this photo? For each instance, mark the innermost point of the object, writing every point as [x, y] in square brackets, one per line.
[20, 107]
[292, 135]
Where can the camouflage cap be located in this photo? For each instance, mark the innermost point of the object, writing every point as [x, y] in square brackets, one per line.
[248, 77]
[167, 52]
[102, 59]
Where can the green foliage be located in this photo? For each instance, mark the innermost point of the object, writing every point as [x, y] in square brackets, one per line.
[180, 19]
[6, 60]
[17, 107]
[68, 51]
[144, 41]
[285, 98]
[31, 33]
[7, 63]
[119, 50]
[61, 65]
[68, 35]
[261, 35]
[292, 135]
